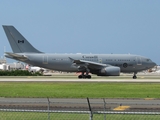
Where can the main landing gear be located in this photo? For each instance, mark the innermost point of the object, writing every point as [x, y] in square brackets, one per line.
[134, 76]
[84, 76]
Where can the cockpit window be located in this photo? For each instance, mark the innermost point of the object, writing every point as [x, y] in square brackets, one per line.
[148, 60]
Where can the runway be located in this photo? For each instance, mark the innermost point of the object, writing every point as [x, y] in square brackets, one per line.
[152, 80]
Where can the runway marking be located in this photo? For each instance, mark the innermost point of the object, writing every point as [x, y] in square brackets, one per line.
[121, 108]
[142, 77]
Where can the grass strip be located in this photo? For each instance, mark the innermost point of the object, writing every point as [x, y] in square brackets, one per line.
[71, 116]
[79, 90]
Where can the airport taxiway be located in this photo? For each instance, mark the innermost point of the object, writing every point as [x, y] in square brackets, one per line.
[81, 104]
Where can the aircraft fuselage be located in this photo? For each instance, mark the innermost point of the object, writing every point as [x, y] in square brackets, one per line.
[62, 62]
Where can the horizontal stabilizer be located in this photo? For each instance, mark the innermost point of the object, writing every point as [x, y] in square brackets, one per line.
[16, 56]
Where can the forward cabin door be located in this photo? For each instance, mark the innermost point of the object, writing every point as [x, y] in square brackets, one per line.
[45, 60]
[100, 60]
[139, 62]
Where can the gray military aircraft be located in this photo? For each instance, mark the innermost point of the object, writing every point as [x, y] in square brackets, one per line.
[99, 64]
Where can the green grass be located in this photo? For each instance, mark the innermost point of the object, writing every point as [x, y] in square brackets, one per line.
[79, 90]
[42, 116]
[70, 116]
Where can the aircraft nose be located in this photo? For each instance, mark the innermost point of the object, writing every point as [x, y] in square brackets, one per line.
[153, 64]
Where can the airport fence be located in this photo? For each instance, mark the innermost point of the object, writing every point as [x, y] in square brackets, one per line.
[70, 110]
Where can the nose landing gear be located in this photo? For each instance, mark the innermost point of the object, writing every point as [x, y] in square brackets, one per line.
[134, 76]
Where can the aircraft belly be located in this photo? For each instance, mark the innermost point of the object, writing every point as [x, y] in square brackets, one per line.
[131, 69]
[64, 67]
[47, 62]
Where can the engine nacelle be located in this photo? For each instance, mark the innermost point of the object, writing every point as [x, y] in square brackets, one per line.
[110, 71]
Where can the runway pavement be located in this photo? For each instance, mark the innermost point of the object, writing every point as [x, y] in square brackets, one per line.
[150, 80]
[70, 77]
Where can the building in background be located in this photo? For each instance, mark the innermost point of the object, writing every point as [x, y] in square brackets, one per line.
[3, 61]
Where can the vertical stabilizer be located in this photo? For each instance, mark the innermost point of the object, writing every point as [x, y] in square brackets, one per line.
[18, 43]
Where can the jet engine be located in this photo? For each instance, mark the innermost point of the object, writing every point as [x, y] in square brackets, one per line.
[110, 71]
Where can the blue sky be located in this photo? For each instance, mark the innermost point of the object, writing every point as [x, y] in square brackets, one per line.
[85, 26]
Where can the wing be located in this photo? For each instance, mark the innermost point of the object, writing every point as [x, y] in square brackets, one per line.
[96, 68]
[89, 64]
[16, 56]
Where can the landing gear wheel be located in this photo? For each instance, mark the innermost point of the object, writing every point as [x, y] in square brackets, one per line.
[88, 76]
[134, 77]
[84, 76]
[80, 76]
